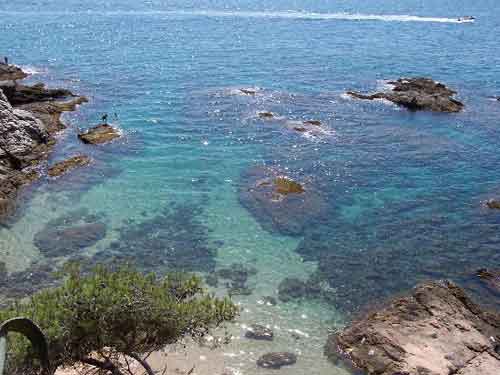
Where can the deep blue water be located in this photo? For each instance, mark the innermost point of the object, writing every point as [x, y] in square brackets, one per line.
[401, 192]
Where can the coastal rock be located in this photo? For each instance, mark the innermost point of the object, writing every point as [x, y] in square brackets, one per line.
[20, 133]
[491, 278]
[312, 122]
[99, 134]
[11, 73]
[49, 112]
[266, 115]
[269, 300]
[248, 91]
[63, 167]
[56, 242]
[22, 94]
[278, 202]
[493, 204]
[259, 332]
[276, 360]
[417, 94]
[435, 330]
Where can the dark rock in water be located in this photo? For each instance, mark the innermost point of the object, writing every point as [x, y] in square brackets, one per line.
[251, 92]
[259, 332]
[174, 240]
[63, 167]
[278, 202]
[418, 94]
[11, 73]
[435, 330]
[291, 288]
[493, 204]
[271, 301]
[23, 94]
[312, 122]
[266, 115]
[238, 275]
[56, 242]
[212, 280]
[277, 360]
[491, 278]
[24, 283]
[99, 134]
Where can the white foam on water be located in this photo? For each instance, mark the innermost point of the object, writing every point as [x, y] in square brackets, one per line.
[33, 70]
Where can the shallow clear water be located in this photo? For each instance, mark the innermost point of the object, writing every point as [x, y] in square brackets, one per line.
[401, 191]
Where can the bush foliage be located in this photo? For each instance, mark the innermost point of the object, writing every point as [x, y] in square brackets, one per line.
[98, 319]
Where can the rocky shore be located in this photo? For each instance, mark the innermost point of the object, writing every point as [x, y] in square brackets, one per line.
[29, 118]
[436, 330]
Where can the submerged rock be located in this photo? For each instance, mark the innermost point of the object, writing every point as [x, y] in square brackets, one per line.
[174, 240]
[11, 73]
[435, 330]
[278, 202]
[418, 94]
[56, 242]
[99, 134]
[238, 275]
[63, 167]
[259, 332]
[276, 360]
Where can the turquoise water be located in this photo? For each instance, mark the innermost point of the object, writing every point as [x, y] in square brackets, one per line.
[401, 192]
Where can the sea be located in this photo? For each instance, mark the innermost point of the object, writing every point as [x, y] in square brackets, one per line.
[401, 193]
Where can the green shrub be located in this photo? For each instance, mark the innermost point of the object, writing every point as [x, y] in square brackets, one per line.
[101, 317]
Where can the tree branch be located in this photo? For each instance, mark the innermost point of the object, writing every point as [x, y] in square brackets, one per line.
[143, 363]
[107, 366]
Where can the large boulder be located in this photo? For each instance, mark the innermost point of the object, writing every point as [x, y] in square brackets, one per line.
[417, 94]
[11, 73]
[278, 202]
[436, 330]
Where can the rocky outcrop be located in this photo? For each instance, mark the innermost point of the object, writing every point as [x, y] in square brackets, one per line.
[11, 73]
[277, 360]
[436, 330]
[99, 134]
[65, 166]
[279, 202]
[22, 94]
[418, 94]
[49, 112]
[29, 116]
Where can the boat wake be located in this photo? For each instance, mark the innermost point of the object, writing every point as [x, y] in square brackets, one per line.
[271, 15]
[325, 16]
